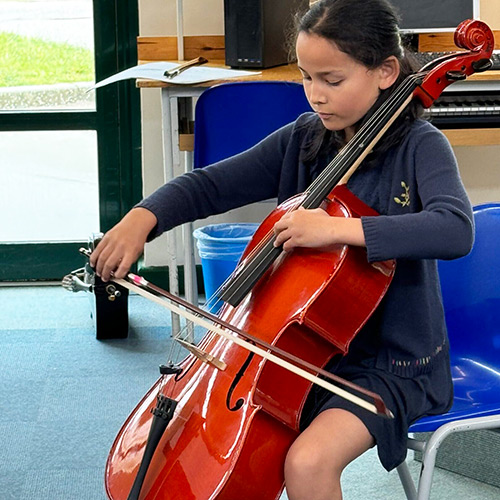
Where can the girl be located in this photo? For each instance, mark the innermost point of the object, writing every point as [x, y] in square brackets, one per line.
[351, 59]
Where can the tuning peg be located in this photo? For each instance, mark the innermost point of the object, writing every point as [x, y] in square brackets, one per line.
[482, 65]
[455, 76]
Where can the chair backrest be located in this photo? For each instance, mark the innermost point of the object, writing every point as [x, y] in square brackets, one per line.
[471, 292]
[232, 117]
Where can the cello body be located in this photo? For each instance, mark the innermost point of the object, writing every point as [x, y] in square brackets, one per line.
[232, 428]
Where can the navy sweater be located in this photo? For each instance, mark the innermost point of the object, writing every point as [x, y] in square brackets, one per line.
[424, 215]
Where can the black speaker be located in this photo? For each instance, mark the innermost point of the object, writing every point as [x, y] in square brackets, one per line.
[256, 31]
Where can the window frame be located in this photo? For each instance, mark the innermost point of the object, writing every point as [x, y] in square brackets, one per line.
[117, 122]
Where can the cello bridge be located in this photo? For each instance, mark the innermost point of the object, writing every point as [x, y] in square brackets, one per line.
[202, 355]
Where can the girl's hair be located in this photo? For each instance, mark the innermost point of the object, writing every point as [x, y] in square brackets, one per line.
[366, 30]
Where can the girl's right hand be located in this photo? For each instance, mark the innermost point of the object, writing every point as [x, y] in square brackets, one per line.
[123, 244]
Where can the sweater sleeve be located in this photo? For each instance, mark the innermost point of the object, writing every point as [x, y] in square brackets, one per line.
[245, 178]
[440, 223]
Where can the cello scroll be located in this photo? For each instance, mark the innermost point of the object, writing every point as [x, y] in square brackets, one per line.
[478, 40]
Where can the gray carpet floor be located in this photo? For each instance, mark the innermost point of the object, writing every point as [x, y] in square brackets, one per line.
[64, 396]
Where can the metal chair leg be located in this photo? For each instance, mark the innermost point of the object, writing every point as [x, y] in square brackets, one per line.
[432, 447]
[407, 481]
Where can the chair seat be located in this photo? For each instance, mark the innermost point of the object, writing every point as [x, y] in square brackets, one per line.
[476, 386]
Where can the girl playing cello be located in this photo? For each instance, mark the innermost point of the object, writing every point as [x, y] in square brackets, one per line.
[351, 59]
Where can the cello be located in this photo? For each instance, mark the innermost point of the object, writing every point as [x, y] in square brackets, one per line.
[231, 414]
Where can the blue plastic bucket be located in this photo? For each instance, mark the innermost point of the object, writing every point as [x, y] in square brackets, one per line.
[220, 247]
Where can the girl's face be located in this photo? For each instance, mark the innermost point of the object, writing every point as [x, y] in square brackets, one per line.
[340, 89]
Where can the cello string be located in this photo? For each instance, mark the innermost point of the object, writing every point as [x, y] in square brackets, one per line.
[323, 181]
[362, 136]
[335, 168]
[351, 151]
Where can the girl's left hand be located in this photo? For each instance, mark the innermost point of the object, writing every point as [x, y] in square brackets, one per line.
[314, 228]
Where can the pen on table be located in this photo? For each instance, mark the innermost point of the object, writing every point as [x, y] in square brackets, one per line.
[170, 73]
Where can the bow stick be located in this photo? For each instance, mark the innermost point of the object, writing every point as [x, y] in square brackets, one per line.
[282, 358]
[249, 342]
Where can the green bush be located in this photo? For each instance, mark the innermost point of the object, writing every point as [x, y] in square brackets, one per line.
[32, 61]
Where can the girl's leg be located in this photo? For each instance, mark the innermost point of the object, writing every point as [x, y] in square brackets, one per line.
[318, 456]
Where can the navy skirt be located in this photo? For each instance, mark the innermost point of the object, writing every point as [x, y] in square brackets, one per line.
[409, 399]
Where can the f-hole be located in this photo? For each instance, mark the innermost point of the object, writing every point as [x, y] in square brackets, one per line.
[235, 382]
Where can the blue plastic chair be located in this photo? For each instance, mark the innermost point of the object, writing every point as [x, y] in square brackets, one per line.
[471, 298]
[232, 117]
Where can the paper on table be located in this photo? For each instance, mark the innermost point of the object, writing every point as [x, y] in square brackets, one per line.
[156, 70]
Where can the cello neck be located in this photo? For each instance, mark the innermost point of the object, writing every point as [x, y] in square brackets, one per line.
[350, 157]
[362, 143]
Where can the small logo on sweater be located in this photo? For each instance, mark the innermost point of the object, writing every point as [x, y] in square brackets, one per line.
[404, 199]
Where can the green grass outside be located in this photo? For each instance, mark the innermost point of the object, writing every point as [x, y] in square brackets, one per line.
[32, 61]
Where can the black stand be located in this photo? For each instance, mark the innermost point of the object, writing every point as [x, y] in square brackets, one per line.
[108, 301]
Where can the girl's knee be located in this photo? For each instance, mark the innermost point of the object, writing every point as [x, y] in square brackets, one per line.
[327, 446]
[309, 475]
[306, 462]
